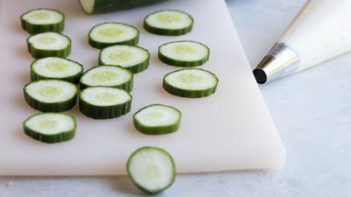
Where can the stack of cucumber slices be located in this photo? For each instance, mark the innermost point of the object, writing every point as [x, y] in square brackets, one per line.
[105, 90]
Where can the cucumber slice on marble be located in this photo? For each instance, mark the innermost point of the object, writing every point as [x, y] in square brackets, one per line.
[50, 127]
[151, 169]
[169, 22]
[133, 58]
[49, 44]
[104, 102]
[104, 6]
[56, 68]
[107, 76]
[51, 95]
[157, 119]
[190, 82]
[43, 20]
[184, 53]
[108, 34]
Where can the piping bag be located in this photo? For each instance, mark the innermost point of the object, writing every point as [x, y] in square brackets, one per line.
[321, 31]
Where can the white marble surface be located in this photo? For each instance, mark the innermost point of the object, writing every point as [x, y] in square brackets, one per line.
[312, 111]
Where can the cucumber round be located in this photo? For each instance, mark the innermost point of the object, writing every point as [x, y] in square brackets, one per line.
[51, 95]
[49, 44]
[184, 53]
[133, 58]
[151, 169]
[169, 22]
[50, 127]
[108, 34]
[157, 119]
[190, 82]
[103, 6]
[43, 20]
[104, 102]
[56, 68]
[107, 76]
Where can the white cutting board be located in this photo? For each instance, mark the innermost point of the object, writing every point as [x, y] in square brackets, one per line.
[230, 130]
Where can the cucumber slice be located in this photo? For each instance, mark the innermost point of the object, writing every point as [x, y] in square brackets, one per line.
[191, 83]
[43, 20]
[107, 76]
[157, 119]
[184, 53]
[108, 34]
[169, 22]
[50, 127]
[133, 58]
[104, 102]
[51, 95]
[56, 68]
[151, 169]
[49, 44]
[103, 6]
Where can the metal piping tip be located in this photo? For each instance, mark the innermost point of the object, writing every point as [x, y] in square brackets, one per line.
[279, 62]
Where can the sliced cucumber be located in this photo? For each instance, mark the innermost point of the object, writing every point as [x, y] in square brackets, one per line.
[56, 68]
[103, 6]
[157, 119]
[43, 20]
[104, 102]
[184, 53]
[169, 22]
[191, 83]
[133, 58]
[107, 76]
[51, 95]
[49, 44]
[151, 169]
[108, 34]
[50, 127]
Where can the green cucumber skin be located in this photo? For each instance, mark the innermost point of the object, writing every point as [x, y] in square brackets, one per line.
[39, 53]
[145, 189]
[134, 69]
[168, 32]
[101, 45]
[126, 86]
[188, 93]
[179, 63]
[49, 107]
[157, 130]
[105, 112]
[35, 29]
[50, 139]
[73, 79]
[104, 6]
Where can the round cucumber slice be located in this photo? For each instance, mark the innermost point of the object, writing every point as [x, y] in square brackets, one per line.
[50, 127]
[107, 76]
[184, 53]
[157, 119]
[51, 95]
[133, 58]
[151, 169]
[104, 102]
[56, 68]
[169, 22]
[108, 34]
[49, 44]
[43, 20]
[191, 83]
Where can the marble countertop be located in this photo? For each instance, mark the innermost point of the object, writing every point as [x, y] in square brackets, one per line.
[312, 111]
